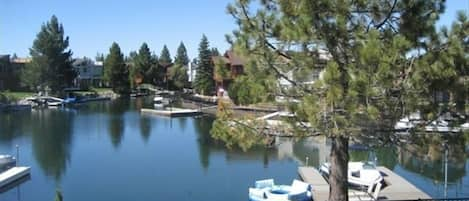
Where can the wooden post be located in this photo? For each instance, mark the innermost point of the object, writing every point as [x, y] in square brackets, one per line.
[17, 155]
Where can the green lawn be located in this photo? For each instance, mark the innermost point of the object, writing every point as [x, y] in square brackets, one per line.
[101, 90]
[12, 96]
[18, 95]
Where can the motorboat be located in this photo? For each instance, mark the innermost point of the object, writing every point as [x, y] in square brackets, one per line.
[6, 162]
[70, 100]
[408, 122]
[360, 174]
[441, 126]
[404, 124]
[266, 190]
[54, 103]
[160, 102]
[465, 126]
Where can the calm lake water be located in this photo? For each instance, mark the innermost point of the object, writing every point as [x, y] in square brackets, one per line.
[108, 151]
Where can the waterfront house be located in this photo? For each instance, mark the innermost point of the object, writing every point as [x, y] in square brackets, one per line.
[305, 78]
[191, 71]
[90, 73]
[227, 68]
[10, 70]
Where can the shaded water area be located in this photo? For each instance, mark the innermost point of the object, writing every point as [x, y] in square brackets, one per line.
[108, 151]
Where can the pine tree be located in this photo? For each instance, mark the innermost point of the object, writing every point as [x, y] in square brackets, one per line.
[181, 56]
[204, 83]
[14, 56]
[51, 63]
[215, 52]
[99, 57]
[165, 57]
[178, 76]
[442, 71]
[116, 72]
[363, 47]
[143, 63]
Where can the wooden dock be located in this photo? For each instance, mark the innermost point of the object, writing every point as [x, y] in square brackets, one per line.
[172, 112]
[312, 176]
[12, 175]
[396, 187]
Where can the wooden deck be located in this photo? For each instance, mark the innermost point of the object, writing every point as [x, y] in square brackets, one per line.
[12, 175]
[312, 176]
[396, 188]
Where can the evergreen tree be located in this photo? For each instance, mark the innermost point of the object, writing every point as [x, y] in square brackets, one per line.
[132, 57]
[204, 83]
[99, 57]
[165, 56]
[215, 52]
[156, 74]
[363, 47]
[154, 58]
[441, 72]
[51, 63]
[178, 76]
[143, 63]
[14, 56]
[181, 56]
[116, 72]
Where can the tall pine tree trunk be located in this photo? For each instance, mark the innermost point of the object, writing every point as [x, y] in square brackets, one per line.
[338, 189]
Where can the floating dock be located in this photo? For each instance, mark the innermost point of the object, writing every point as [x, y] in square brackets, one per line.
[396, 187]
[13, 174]
[172, 112]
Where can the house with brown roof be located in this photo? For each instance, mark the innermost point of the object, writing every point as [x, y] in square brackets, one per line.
[227, 68]
[10, 70]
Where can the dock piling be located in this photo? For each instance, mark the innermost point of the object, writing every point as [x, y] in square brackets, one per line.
[17, 155]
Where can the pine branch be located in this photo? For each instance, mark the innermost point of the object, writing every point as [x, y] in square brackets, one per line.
[378, 26]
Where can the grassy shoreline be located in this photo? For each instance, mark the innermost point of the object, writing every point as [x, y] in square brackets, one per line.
[14, 96]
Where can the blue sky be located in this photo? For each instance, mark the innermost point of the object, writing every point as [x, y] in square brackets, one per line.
[93, 25]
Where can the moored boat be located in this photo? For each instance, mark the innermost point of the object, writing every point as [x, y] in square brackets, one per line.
[359, 174]
[6, 162]
[266, 190]
[441, 126]
[160, 102]
[404, 125]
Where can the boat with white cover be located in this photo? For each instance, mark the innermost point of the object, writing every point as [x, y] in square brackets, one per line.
[408, 122]
[465, 126]
[361, 174]
[6, 162]
[266, 190]
[404, 125]
[441, 126]
[160, 102]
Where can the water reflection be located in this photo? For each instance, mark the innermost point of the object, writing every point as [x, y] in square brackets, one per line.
[51, 140]
[96, 130]
[207, 146]
[145, 127]
[426, 157]
[116, 110]
[12, 126]
[204, 141]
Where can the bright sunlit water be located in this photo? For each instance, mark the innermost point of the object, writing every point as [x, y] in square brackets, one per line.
[108, 151]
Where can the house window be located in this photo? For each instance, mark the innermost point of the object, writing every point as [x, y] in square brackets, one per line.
[85, 69]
